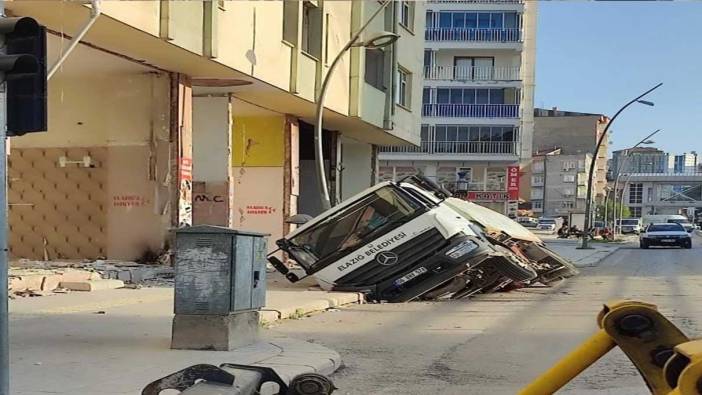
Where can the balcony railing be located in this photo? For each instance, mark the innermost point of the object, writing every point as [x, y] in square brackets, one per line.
[471, 110]
[477, 1]
[457, 147]
[463, 73]
[465, 34]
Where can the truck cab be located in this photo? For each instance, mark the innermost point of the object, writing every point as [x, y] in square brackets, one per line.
[394, 242]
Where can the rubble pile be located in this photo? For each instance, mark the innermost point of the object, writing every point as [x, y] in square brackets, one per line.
[30, 278]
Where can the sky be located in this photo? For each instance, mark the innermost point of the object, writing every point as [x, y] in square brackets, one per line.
[594, 56]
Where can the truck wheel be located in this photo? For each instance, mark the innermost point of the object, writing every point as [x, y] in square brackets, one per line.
[511, 266]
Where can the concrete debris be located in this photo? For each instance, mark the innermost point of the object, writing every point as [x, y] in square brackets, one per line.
[92, 285]
[47, 277]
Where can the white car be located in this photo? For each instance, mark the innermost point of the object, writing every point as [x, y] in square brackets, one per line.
[665, 234]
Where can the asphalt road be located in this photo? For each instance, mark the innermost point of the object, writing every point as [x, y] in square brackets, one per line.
[494, 344]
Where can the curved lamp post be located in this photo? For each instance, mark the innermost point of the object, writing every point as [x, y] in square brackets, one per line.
[588, 198]
[645, 141]
[376, 40]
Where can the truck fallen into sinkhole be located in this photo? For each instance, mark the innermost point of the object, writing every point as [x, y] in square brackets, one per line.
[406, 240]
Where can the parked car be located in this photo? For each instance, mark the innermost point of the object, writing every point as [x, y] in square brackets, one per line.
[549, 224]
[665, 234]
[528, 222]
[630, 225]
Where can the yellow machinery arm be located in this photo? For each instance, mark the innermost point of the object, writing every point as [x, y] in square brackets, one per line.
[668, 361]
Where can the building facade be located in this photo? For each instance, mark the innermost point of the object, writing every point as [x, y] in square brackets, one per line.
[639, 160]
[564, 143]
[684, 163]
[662, 193]
[173, 113]
[559, 183]
[477, 101]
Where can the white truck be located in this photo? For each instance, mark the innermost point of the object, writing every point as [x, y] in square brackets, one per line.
[398, 241]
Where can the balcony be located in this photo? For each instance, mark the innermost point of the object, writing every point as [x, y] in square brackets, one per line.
[472, 74]
[456, 147]
[470, 110]
[477, 35]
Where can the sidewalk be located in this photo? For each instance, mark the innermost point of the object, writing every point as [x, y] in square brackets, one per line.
[117, 341]
[567, 248]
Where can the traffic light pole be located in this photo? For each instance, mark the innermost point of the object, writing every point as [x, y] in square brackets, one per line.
[4, 266]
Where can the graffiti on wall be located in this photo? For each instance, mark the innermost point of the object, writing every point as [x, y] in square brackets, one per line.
[185, 202]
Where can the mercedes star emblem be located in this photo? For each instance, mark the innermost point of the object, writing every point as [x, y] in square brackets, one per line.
[386, 258]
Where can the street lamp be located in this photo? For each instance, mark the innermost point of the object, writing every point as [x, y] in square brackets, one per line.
[588, 198]
[645, 141]
[376, 40]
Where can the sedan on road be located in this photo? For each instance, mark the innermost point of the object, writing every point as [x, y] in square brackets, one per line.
[666, 234]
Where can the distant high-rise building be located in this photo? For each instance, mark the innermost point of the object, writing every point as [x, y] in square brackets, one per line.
[684, 163]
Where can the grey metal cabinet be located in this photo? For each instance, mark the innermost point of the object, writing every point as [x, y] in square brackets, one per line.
[219, 270]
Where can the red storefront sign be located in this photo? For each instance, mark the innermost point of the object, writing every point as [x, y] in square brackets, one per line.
[513, 182]
[488, 196]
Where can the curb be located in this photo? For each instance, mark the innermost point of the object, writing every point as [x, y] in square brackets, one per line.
[327, 301]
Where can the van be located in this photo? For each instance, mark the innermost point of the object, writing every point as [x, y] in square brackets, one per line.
[669, 218]
[395, 242]
[630, 225]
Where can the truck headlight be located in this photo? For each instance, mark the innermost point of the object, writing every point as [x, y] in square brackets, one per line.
[461, 249]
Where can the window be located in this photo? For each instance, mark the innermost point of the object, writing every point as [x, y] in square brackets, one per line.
[537, 180]
[635, 193]
[404, 87]
[470, 96]
[311, 29]
[568, 204]
[569, 178]
[537, 205]
[568, 191]
[290, 14]
[375, 68]
[569, 165]
[407, 14]
[537, 193]
[635, 212]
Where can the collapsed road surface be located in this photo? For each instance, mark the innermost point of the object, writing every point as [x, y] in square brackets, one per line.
[496, 343]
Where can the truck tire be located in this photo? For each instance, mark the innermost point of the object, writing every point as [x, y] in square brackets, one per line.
[511, 266]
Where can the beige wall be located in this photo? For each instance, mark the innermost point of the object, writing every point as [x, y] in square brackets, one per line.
[123, 121]
[528, 74]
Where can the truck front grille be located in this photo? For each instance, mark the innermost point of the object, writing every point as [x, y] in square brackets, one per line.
[411, 254]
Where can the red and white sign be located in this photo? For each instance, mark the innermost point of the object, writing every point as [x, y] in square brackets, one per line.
[513, 182]
[488, 196]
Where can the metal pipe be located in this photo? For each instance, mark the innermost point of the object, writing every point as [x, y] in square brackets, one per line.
[588, 198]
[570, 366]
[319, 151]
[94, 14]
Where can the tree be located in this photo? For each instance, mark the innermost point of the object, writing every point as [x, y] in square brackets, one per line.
[612, 208]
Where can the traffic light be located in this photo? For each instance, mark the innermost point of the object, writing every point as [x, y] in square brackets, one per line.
[24, 67]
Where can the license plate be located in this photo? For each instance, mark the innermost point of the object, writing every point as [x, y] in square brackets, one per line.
[414, 273]
[669, 240]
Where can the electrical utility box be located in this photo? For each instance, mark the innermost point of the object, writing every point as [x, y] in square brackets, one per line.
[219, 271]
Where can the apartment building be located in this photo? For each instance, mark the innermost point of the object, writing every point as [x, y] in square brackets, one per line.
[559, 183]
[639, 160]
[563, 139]
[477, 101]
[683, 163]
[172, 113]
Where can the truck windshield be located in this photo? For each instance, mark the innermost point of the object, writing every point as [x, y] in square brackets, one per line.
[630, 222]
[347, 230]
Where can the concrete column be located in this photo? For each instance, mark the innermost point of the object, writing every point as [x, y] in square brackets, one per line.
[181, 150]
[212, 159]
[358, 165]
